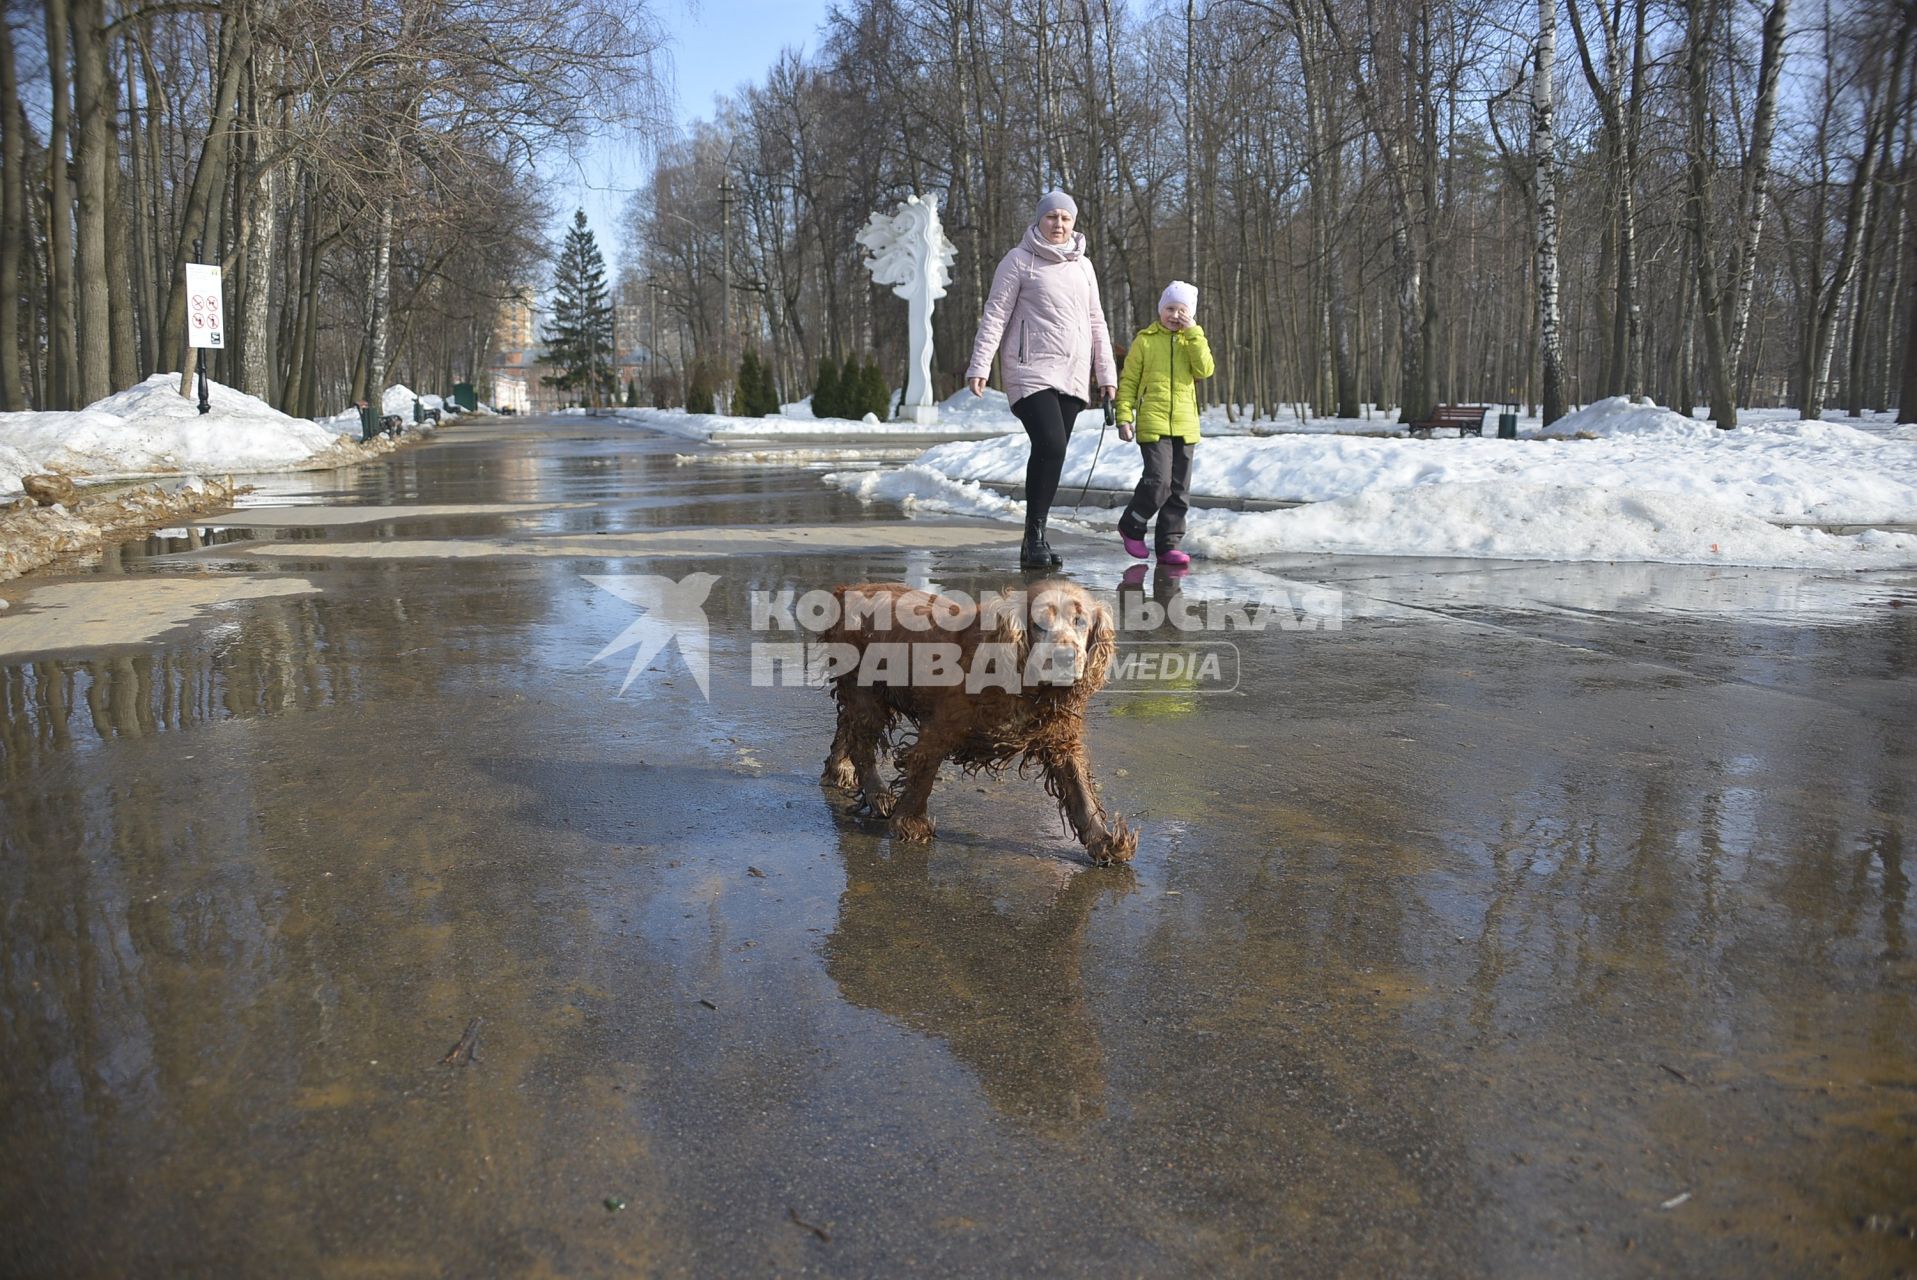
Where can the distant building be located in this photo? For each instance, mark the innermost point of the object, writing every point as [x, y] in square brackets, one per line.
[517, 370]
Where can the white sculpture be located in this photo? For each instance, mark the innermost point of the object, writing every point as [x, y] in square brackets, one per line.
[909, 251]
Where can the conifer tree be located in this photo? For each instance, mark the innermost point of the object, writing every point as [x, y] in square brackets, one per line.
[632, 393]
[747, 401]
[825, 392]
[763, 399]
[878, 397]
[699, 394]
[852, 388]
[579, 337]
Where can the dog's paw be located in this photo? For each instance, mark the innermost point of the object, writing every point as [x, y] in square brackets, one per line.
[875, 804]
[840, 774]
[916, 829]
[1116, 845]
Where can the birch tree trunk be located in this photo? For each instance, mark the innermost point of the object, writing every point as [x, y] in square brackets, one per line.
[1544, 152]
[1757, 178]
[1907, 393]
[1900, 217]
[1634, 375]
[258, 216]
[1864, 302]
[379, 296]
[1877, 112]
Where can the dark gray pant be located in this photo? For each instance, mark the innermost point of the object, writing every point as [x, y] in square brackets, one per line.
[1162, 491]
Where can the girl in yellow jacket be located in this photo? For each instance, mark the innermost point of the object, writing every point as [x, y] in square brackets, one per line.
[1158, 401]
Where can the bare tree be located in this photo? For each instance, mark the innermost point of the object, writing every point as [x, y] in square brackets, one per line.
[1544, 156]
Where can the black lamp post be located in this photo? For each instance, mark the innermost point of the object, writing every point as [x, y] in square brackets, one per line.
[200, 367]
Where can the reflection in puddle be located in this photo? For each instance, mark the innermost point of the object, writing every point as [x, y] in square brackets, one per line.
[983, 952]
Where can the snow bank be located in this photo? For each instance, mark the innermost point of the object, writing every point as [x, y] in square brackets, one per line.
[1619, 416]
[150, 429]
[398, 399]
[1614, 481]
[1540, 522]
[13, 463]
[1793, 472]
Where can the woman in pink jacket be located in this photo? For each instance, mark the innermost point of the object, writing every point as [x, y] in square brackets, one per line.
[1044, 308]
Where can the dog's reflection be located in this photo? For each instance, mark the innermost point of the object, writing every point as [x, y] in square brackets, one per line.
[982, 951]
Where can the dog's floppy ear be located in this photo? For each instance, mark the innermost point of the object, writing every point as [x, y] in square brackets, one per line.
[1006, 619]
[1102, 647]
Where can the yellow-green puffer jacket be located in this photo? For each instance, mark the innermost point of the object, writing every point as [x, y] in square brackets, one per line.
[1158, 389]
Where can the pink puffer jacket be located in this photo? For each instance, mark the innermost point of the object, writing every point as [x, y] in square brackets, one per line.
[1044, 308]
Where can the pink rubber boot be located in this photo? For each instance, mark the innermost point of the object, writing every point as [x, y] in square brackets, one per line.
[1137, 548]
[1173, 557]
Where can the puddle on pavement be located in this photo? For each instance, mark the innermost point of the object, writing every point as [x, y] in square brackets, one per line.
[1447, 950]
[99, 614]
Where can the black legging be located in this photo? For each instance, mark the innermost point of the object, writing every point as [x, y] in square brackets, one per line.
[1048, 416]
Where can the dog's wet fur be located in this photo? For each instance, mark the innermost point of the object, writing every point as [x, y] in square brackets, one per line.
[981, 729]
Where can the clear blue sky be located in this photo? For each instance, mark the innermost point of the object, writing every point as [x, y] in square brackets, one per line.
[715, 47]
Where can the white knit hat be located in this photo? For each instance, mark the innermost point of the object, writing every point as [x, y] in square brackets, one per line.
[1179, 294]
[1056, 200]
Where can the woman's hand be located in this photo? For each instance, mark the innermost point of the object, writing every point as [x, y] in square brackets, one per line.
[977, 385]
[1126, 431]
[1108, 394]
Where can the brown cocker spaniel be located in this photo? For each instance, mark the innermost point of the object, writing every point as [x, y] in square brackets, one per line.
[1006, 679]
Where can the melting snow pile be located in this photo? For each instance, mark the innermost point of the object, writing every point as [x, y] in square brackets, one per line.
[1613, 481]
[398, 401]
[1620, 416]
[1541, 522]
[915, 486]
[150, 429]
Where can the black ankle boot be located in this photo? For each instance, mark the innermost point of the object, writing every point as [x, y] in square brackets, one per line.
[1034, 552]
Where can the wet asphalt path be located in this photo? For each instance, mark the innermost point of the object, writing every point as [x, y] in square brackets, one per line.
[1538, 920]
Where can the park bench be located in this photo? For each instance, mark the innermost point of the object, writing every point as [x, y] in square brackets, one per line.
[1467, 418]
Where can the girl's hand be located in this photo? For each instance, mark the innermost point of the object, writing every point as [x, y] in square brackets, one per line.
[977, 385]
[1108, 394]
[1126, 431]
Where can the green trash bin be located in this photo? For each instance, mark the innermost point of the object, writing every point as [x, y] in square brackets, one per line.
[1508, 423]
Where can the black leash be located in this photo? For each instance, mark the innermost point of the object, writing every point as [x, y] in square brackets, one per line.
[1110, 418]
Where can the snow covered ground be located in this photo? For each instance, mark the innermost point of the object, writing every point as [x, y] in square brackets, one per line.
[1613, 481]
[150, 430]
[398, 400]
